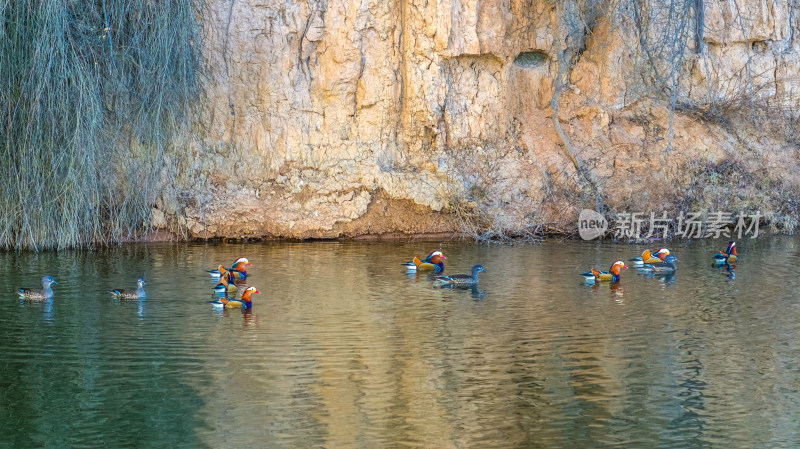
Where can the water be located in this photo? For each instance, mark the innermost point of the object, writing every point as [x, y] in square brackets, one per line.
[344, 349]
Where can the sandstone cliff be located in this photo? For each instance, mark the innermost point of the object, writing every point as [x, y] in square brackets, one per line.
[337, 118]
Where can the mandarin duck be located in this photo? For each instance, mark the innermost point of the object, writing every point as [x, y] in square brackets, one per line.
[667, 266]
[728, 256]
[432, 262]
[245, 302]
[239, 269]
[461, 279]
[612, 275]
[648, 257]
[130, 294]
[226, 282]
[34, 294]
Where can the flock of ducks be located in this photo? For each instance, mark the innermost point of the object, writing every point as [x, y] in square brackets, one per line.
[228, 278]
[660, 261]
[35, 294]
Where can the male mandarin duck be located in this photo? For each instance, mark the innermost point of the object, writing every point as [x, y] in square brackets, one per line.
[432, 262]
[612, 275]
[226, 283]
[34, 294]
[648, 257]
[245, 302]
[227, 274]
[130, 294]
[728, 256]
[239, 269]
[461, 279]
[220, 272]
[667, 266]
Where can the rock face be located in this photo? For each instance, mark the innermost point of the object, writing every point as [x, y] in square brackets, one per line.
[337, 118]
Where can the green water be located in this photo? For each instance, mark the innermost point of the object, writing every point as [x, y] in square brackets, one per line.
[344, 349]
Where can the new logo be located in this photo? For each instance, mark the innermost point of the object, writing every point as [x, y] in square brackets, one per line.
[591, 224]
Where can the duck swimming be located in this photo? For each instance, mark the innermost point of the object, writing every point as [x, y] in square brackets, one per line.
[667, 266]
[130, 294]
[239, 270]
[613, 273]
[245, 302]
[225, 284]
[461, 279]
[648, 257]
[34, 294]
[728, 256]
[434, 262]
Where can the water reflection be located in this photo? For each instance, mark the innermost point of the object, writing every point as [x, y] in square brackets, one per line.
[140, 309]
[615, 289]
[727, 269]
[476, 293]
[336, 353]
[662, 277]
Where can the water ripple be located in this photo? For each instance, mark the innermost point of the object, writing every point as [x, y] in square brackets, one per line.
[344, 349]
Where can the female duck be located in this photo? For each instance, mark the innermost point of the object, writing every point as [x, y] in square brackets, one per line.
[667, 266]
[648, 257]
[130, 294]
[34, 294]
[612, 275]
[434, 262]
[245, 302]
[461, 279]
[728, 256]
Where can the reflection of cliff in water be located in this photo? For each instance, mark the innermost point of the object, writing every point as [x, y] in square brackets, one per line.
[344, 349]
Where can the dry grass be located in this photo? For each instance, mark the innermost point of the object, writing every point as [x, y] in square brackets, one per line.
[491, 203]
[92, 96]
